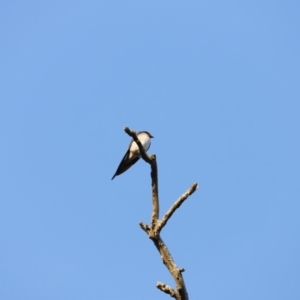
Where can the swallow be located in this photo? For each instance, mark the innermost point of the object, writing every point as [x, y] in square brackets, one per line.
[133, 153]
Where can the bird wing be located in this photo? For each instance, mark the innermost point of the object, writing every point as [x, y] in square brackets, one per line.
[125, 164]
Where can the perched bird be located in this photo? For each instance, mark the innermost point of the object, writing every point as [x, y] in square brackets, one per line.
[133, 153]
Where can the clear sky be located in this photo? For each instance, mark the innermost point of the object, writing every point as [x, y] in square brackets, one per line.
[218, 85]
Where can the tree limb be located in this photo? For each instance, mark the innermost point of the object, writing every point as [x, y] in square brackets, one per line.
[167, 289]
[153, 231]
[176, 205]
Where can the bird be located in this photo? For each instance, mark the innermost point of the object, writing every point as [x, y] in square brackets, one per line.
[133, 153]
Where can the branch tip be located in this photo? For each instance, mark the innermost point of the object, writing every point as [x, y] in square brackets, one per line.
[153, 157]
[167, 289]
[176, 205]
[145, 227]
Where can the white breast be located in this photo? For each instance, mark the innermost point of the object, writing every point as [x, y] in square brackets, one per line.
[145, 141]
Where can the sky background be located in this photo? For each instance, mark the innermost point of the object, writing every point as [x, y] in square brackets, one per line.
[218, 85]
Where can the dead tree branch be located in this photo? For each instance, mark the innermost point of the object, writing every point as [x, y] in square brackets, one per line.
[153, 231]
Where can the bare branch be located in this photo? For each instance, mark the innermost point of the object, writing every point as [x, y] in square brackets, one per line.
[167, 289]
[170, 264]
[145, 227]
[176, 205]
[155, 200]
[153, 231]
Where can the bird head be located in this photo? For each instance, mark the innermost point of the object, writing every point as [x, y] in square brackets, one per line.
[149, 134]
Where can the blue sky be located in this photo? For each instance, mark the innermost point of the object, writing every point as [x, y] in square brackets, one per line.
[217, 84]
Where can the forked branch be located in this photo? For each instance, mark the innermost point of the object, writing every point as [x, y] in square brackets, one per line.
[153, 231]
